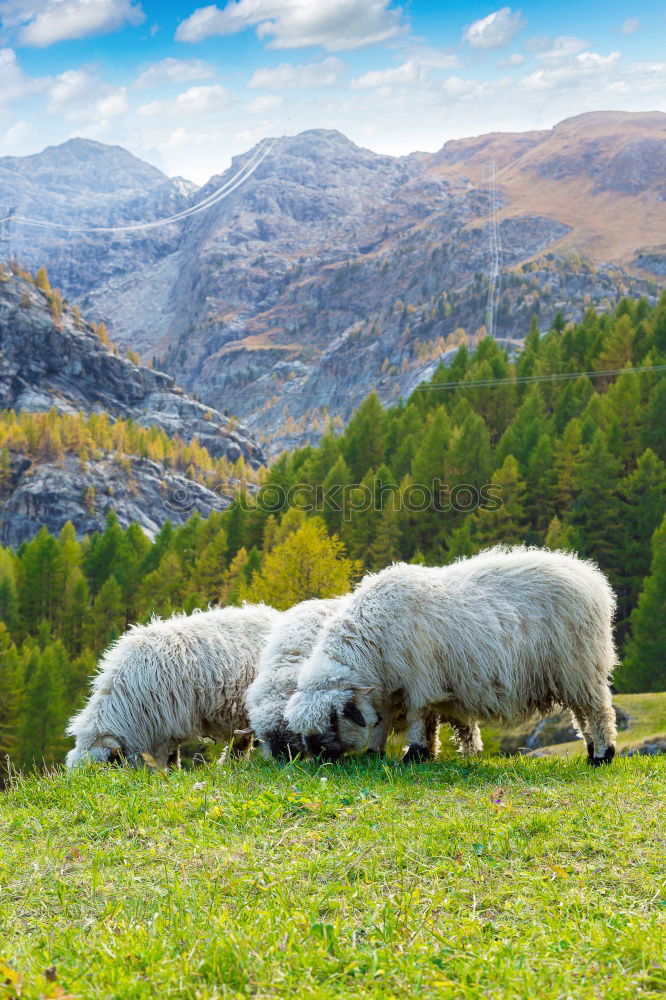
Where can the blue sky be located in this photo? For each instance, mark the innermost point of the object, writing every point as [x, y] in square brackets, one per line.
[187, 87]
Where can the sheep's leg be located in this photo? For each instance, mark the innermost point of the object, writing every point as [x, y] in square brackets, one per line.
[582, 728]
[600, 716]
[466, 735]
[174, 759]
[432, 733]
[418, 724]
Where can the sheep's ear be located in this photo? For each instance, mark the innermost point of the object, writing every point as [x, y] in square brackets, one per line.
[106, 743]
[114, 751]
[360, 689]
[353, 713]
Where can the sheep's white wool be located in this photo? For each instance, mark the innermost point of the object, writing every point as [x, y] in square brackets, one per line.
[499, 636]
[180, 678]
[290, 643]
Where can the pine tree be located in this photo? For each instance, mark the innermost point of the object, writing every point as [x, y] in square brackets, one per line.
[11, 693]
[107, 619]
[560, 536]
[594, 513]
[363, 441]
[643, 505]
[540, 496]
[469, 458]
[461, 542]
[508, 524]
[308, 564]
[8, 589]
[428, 462]
[41, 580]
[654, 426]
[209, 570]
[334, 492]
[100, 557]
[42, 728]
[522, 434]
[128, 568]
[644, 667]
[385, 549]
[163, 589]
[42, 281]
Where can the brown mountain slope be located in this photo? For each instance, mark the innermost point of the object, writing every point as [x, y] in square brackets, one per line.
[603, 174]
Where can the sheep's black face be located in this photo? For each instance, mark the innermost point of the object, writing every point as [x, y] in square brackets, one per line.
[285, 744]
[328, 746]
[346, 732]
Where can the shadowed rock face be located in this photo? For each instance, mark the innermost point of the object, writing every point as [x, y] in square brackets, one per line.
[52, 493]
[334, 270]
[46, 364]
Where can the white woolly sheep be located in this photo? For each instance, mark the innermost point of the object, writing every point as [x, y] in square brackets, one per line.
[172, 680]
[290, 643]
[502, 635]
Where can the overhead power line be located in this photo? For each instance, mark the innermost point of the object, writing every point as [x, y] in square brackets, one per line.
[242, 175]
[523, 379]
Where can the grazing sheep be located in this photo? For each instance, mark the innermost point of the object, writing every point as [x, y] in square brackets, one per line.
[499, 636]
[290, 643]
[169, 681]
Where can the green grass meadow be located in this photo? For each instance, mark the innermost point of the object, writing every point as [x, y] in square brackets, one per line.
[489, 878]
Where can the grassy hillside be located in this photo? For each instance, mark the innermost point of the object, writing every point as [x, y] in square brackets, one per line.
[501, 878]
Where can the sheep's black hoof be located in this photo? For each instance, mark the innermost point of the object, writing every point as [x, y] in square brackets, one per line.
[416, 754]
[606, 759]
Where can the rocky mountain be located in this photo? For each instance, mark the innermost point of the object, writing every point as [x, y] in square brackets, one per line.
[35, 493]
[50, 360]
[80, 184]
[334, 270]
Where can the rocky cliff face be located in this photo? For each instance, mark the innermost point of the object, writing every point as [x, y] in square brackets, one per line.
[33, 494]
[334, 270]
[49, 362]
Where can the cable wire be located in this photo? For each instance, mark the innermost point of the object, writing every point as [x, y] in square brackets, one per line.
[523, 379]
[242, 175]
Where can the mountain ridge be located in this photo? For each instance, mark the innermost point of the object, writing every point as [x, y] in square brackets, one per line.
[334, 270]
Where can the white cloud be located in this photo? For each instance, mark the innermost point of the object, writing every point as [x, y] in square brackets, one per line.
[195, 101]
[631, 25]
[71, 87]
[265, 103]
[291, 24]
[152, 109]
[44, 22]
[14, 84]
[454, 86]
[515, 59]
[558, 48]
[113, 104]
[314, 74]
[172, 70]
[16, 135]
[570, 72]
[199, 100]
[78, 95]
[494, 31]
[409, 73]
